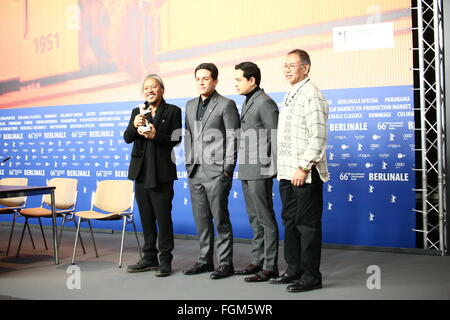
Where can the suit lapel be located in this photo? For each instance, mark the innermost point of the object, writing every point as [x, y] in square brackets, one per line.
[211, 106]
[249, 103]
[191, 112]
[159, 113]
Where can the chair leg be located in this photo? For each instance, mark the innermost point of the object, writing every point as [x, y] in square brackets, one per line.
[137, 239]
[93, 240]
[11, 233]
[121, 243]
[76, 240]
[62, 229]
[43, 235]
[31, 237]
[81, 239]
[21, 237]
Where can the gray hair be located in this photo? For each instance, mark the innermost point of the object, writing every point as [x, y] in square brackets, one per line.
[154, 77]
[303, 55]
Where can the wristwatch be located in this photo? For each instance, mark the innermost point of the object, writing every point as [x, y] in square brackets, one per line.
[305, 169]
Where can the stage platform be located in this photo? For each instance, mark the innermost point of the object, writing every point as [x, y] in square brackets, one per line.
[346, 273]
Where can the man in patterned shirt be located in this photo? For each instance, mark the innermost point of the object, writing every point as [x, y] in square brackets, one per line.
[302, 169]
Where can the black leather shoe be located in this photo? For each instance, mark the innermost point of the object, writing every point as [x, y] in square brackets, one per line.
[300, 286]
[164, 271]
[142, 266]
[284, 279]
[250, 269]
[222, 272]
[261, 276]
[199, 268]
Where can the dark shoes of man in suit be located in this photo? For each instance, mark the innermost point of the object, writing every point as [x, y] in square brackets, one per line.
[300, 286]
[143, 265]
[164, 270]
[222, 272]
[199, 268]
[250, 269]
[262, 276]
[284, 279]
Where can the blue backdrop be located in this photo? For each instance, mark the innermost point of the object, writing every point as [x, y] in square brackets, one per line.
[367, 201]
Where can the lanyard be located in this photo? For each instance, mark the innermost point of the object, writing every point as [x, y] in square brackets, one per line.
[286, 103]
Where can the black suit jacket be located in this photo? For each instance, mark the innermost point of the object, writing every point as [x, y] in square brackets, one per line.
[153, 161]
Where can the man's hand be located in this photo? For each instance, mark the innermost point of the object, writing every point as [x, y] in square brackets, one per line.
[299, 178]
[149, 134]
[139, 120]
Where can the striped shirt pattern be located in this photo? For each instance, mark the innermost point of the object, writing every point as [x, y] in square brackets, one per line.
[302, 131]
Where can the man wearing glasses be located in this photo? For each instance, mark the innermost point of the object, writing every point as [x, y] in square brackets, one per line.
[302, 169]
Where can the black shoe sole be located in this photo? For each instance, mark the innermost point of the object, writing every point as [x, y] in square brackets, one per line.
[304, 289]
[163, 274]
[142, 270]
[187, 273]
[221, 276]
[283, 282]
[254, 281]
[260, 279]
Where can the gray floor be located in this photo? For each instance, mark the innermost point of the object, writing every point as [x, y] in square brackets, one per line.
[34, 275]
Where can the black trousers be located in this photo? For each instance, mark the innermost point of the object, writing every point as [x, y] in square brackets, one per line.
[155, 209]
[302, 220]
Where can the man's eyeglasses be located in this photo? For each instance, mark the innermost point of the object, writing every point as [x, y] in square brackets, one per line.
[292, 65]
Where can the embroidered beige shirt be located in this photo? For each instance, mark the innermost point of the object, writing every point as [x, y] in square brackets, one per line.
[302, 131]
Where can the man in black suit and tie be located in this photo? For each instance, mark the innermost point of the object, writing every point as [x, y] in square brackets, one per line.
[211, 151]
[257, 168]
[154, 129]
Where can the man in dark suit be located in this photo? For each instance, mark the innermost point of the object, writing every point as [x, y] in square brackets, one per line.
[154, 129]
[257, 168]
[211, 151]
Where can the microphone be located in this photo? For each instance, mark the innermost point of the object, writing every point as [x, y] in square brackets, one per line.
[6, 159]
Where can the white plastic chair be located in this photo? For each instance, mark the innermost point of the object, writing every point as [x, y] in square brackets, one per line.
[12, 205]
[116, 198]
[66, 193]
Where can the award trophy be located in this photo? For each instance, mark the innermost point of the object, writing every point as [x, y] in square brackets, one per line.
[144, 111]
